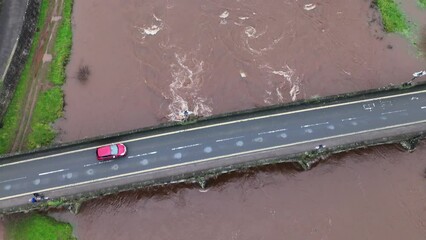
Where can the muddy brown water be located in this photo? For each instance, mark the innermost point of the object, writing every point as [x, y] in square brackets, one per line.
[375, 194]
[150, 60]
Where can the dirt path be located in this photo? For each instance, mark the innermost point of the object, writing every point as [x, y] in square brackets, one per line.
[39, 69]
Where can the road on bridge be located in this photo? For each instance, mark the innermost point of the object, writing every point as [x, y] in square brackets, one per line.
[208, 143]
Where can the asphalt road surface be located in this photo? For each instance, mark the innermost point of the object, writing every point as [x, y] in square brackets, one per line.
[307, 127]
[12, 15]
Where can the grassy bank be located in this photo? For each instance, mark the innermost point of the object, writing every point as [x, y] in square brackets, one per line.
[393, 18]
[38, 226]
[422, 3]
[50, 103]
[48, 109]
[14, 111]
[62, 46]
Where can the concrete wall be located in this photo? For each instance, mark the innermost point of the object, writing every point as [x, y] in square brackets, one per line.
[20, 55]
[12, 14]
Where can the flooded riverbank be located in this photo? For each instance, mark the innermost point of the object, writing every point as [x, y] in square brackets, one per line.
[212, 57]
[373, 194]
[150, 61]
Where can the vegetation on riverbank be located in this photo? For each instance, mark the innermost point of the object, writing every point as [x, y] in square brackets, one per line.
[36, 226]
[14, 111]
[62, 46]
[422, 3]
[393, 18]
[49, 106]
[48, 109]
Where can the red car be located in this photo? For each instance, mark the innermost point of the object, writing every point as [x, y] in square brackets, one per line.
[111, 151]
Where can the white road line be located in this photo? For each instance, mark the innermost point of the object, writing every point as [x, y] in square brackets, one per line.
[56, 171]
[349, 119]
[272, 131]
[11, 180]
[188, 146]
[227, 139]
[222, 124]
[398, 111]
[91, 164]
[210, 159]
[143, 154]
[315, 124]
[97, 163]
[423, 107]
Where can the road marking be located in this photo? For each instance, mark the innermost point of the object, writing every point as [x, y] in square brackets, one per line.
[222, 124]
[188, 146]
[177, 155]
[208, 149]
[91, 164]
[227, 139]
[211, 159]
[97, 163]
[349, 119]
[143, 154]
[423, 107]
[11, 180]
[369, 106]
[398, 111]
[315, 124]
[272, 131]
[308, 130]
[56, 171]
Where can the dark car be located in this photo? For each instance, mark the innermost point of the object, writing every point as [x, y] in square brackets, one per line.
[111, 151]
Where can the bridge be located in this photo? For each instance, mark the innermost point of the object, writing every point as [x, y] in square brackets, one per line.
[182, 151]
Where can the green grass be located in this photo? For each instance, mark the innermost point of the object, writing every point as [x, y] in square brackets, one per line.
[14, 111]
[38, 227]
[47, 110]
[50, 103]
[393, 18]
[422, 3]
[55, 203]
[62, 46]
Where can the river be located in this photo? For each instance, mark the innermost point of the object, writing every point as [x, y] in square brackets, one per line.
[375, 194]
[151, 60]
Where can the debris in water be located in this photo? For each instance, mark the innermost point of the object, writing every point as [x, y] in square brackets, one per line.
[154, 29]
[224, 15]
[310, 6]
